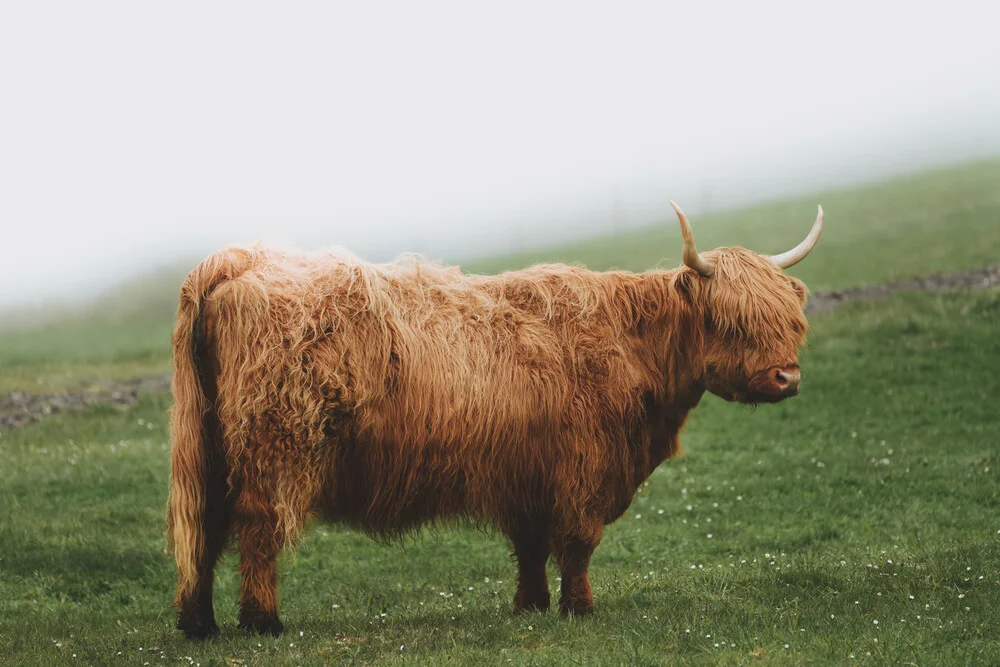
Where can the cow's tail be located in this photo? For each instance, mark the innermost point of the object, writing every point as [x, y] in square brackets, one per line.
[191, 440]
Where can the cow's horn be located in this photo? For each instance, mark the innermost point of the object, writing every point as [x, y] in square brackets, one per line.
[691, 256]
[799, 252]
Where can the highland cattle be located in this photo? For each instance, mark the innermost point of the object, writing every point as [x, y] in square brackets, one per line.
[535, 402]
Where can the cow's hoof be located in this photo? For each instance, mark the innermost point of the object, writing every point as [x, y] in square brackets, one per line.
[261, 623]
[578, 608]
[526, 603]
[197, 629]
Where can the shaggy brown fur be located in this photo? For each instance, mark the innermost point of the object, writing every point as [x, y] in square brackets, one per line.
[387, 396]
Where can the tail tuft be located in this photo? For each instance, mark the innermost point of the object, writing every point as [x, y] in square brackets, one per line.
[189, 458]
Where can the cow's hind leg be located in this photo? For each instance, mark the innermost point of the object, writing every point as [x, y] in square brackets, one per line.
[573, 552]
[195, 611]
[259, 544]
[531, 547]
[196, 614]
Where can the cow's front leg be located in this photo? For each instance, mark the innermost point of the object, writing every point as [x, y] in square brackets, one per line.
[573, 553]
[531, 547]
[259, 544]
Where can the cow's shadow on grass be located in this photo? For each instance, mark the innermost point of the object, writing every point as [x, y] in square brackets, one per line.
[81, 572]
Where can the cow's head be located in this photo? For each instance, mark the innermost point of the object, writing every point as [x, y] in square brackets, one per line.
[753, 316]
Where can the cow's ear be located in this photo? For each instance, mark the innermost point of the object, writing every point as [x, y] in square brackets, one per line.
[800, 290]
[687, 283]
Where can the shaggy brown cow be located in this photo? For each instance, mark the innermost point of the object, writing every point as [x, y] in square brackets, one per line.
[387, 396]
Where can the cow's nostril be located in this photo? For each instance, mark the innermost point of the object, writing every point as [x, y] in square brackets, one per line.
[780, 378]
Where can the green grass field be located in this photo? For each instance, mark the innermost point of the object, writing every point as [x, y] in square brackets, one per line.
[857, 523]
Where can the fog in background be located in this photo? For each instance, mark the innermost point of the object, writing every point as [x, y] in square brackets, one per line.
[137, 135]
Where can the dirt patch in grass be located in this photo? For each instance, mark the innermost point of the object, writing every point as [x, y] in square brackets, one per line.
[19, 408]
[826, 301]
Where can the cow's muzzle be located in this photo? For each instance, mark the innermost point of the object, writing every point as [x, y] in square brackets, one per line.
[787, 382]
[775, 383]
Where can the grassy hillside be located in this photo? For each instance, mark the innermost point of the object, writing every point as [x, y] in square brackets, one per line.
[942, 220]
[855, 524]
[934, 221]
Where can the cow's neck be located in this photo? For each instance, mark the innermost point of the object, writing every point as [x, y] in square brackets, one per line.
[670, 332]
[667, 340]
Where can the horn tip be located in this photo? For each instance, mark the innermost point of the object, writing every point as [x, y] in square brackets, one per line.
[819, 209]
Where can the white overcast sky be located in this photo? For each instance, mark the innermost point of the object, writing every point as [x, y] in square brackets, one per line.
[136, 134]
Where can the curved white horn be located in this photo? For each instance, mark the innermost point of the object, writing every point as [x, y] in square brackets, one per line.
[690, 255]
[799, 252]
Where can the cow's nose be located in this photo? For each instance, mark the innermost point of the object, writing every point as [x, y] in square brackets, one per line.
[788, 381]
